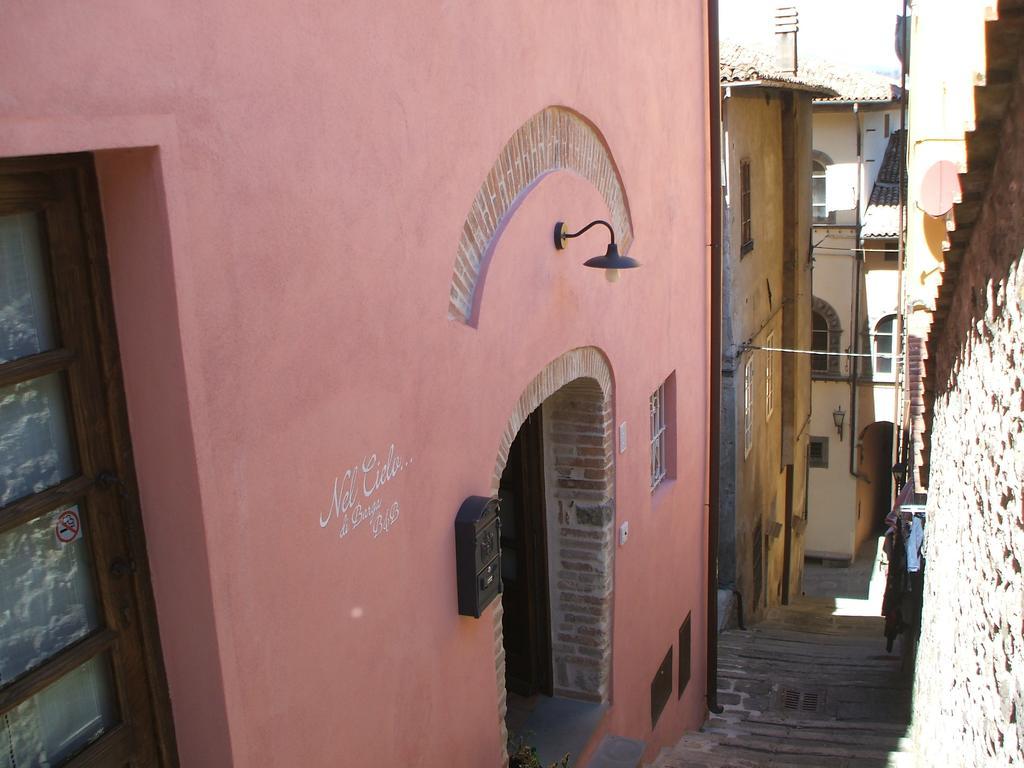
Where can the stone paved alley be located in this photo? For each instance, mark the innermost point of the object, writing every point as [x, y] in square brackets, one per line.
[811, 685]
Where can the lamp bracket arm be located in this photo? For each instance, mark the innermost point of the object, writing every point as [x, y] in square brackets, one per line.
[570, 236]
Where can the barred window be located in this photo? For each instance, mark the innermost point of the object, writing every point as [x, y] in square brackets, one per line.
[659, 437]
[769, 378]
[817, 452]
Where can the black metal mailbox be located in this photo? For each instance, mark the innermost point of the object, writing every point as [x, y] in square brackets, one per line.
[477, 554]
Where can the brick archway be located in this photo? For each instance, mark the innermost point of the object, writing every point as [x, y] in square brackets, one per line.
[556, 138]
[575, 391]
[835, 331]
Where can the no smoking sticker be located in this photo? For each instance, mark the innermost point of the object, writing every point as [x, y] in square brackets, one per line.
[69, 526]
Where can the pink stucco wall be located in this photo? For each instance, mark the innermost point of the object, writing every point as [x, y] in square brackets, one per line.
[281, 251]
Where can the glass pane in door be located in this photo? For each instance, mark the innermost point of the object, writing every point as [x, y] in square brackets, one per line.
[47, 597]
[35, 437]
[26, 318]
[60, 720]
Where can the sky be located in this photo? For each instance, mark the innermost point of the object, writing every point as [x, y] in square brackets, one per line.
[860, 34]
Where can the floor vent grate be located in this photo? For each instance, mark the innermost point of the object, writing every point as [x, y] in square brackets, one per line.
[796, 700]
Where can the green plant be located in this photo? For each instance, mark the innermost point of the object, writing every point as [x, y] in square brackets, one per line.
[522, 755]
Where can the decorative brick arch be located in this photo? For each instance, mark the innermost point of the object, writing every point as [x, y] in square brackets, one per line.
[835, 330]
[556, 138]
[575, 391]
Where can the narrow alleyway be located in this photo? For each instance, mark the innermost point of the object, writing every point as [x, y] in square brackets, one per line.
[811, 685]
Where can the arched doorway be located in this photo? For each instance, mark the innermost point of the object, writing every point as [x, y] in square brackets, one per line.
[555, 475]
[874, 485]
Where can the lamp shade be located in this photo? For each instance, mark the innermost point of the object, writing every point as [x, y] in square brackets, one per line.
[838, 415]
[611, 260]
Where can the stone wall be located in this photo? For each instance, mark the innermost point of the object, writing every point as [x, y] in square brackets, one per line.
[969, 686]
[970, 673]
[580, 515]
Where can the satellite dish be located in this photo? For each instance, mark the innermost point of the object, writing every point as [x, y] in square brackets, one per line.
[940, 188]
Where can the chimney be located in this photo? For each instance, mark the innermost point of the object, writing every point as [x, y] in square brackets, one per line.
[786, 26]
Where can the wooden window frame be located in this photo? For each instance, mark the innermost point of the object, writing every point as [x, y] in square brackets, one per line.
[819, 363]
[816, 218]
[746, 211]
[63, 188]
[877, 356]
[832, 337]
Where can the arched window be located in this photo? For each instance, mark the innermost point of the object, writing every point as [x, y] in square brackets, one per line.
[882, 345]
[826, 333]
[819, 208]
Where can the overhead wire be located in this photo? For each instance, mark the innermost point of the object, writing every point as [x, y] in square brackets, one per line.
[745, 347]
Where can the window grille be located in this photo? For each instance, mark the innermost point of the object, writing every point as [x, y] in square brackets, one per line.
[769, 378]
[817, 452]
[659, 436]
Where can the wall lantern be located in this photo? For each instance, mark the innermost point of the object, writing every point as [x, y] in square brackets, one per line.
[899, 473]
[612, 261]
[838, 416]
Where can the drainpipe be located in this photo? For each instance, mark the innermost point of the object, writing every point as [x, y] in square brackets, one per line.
[901, 349]
[715, 361]
[858, 254]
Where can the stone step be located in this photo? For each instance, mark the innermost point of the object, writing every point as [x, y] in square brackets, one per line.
[859, 738]
[864, 697]
[822, 746]
[832, 725]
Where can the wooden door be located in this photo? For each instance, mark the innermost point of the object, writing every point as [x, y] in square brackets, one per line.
[81, 682]
[525, 621]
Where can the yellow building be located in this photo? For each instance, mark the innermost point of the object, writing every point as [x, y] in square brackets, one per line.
[766, 308]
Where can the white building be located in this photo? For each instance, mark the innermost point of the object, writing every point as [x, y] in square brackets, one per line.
[853, 237]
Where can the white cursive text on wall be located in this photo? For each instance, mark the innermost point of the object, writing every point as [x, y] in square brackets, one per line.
[356, 498]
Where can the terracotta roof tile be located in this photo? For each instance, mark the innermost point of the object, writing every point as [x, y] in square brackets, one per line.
[745, 62]
[882, 216]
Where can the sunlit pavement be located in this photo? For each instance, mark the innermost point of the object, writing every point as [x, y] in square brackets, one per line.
[857, 589]
[812, 685]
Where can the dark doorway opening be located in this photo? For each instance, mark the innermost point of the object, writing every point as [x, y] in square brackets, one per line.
[877, 446]
[554, 702]
[526, 617]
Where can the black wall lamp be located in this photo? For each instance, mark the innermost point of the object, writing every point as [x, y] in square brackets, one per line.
[838, 416]
[612, 261]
